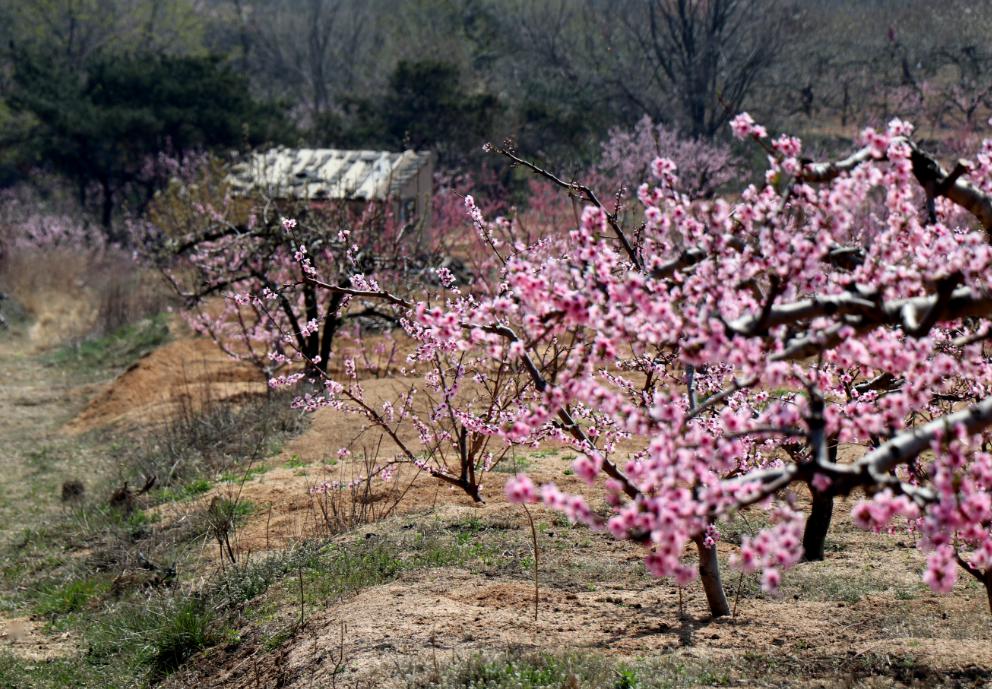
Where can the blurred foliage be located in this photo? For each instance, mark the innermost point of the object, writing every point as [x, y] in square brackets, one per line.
[114, 350]
[552, 76]
[107, 125]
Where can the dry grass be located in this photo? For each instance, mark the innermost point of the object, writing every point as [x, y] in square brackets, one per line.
[71, 294]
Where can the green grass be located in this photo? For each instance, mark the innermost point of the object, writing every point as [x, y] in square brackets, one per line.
[220, 440]
[232, 511]
[235, 476]
[181, 631]
[45, 459]
[15, 673]
[148, 634]
[540, 454]
[61, 568]
[512, 466]
[519, 670]
[184, 491]
[115, 350]
[152, 637]
[334, 570]
[274, 641]
[129, 643]
[70, 597]
[296, 462]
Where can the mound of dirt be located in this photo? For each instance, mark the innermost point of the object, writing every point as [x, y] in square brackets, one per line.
[184, 375]
[439, 616]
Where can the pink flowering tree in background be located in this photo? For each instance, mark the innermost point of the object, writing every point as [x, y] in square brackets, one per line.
[228, 257]
[475, 254]
[736, 354]
[278, 292]
[627, 154]
[454, 245]
[28, 229]
[108, 281]
[26, 225]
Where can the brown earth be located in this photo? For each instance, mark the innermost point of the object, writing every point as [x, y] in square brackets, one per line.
[446, 614]
[182, 376]
[440, 615]
[25, 637]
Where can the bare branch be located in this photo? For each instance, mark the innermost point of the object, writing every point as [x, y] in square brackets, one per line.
[586, 193]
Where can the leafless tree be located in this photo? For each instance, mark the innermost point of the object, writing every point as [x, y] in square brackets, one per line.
[76, 30]
[687, 63]
[702, 56]
[312, 51]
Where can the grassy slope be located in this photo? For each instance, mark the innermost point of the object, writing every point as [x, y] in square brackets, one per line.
[76, 570]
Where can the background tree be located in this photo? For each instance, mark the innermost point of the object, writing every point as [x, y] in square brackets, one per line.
[554, 76]
[313, 53]
[105, 128]
[75, 32]
[426, 106]
[706, 55]
[245, 273]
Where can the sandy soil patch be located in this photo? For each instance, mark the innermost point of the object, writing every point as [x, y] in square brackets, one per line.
[184, 375]
[23, 636]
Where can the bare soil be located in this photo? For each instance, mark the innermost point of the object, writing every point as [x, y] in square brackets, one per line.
[863, 611]
[443, 615]
[186, 374]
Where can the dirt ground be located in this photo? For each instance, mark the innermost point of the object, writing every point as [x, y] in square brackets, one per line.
[187, 374]
[865, 602]
[35, 402]
[452, 613]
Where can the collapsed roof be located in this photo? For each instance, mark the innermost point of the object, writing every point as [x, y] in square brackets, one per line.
[329, 173]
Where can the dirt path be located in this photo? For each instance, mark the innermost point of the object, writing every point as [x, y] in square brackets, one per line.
[35, 458]
[35, 400]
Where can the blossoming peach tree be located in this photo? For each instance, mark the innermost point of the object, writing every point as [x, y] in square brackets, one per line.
[461, 385]
[227, 257]
[825, 330]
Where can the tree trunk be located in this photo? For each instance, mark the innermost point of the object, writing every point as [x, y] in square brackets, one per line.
[817, 526]
[107, 209]
[818, 521]
[331, 325]
[709, 574]
[987, 580]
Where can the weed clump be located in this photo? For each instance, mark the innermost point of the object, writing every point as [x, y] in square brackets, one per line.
[116, 349]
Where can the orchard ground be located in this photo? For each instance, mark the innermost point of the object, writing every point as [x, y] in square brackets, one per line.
[229, 573]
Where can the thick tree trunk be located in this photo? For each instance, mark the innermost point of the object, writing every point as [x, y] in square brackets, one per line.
[817, 526]
[709, 574]
[331, 325]
[818, 521]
